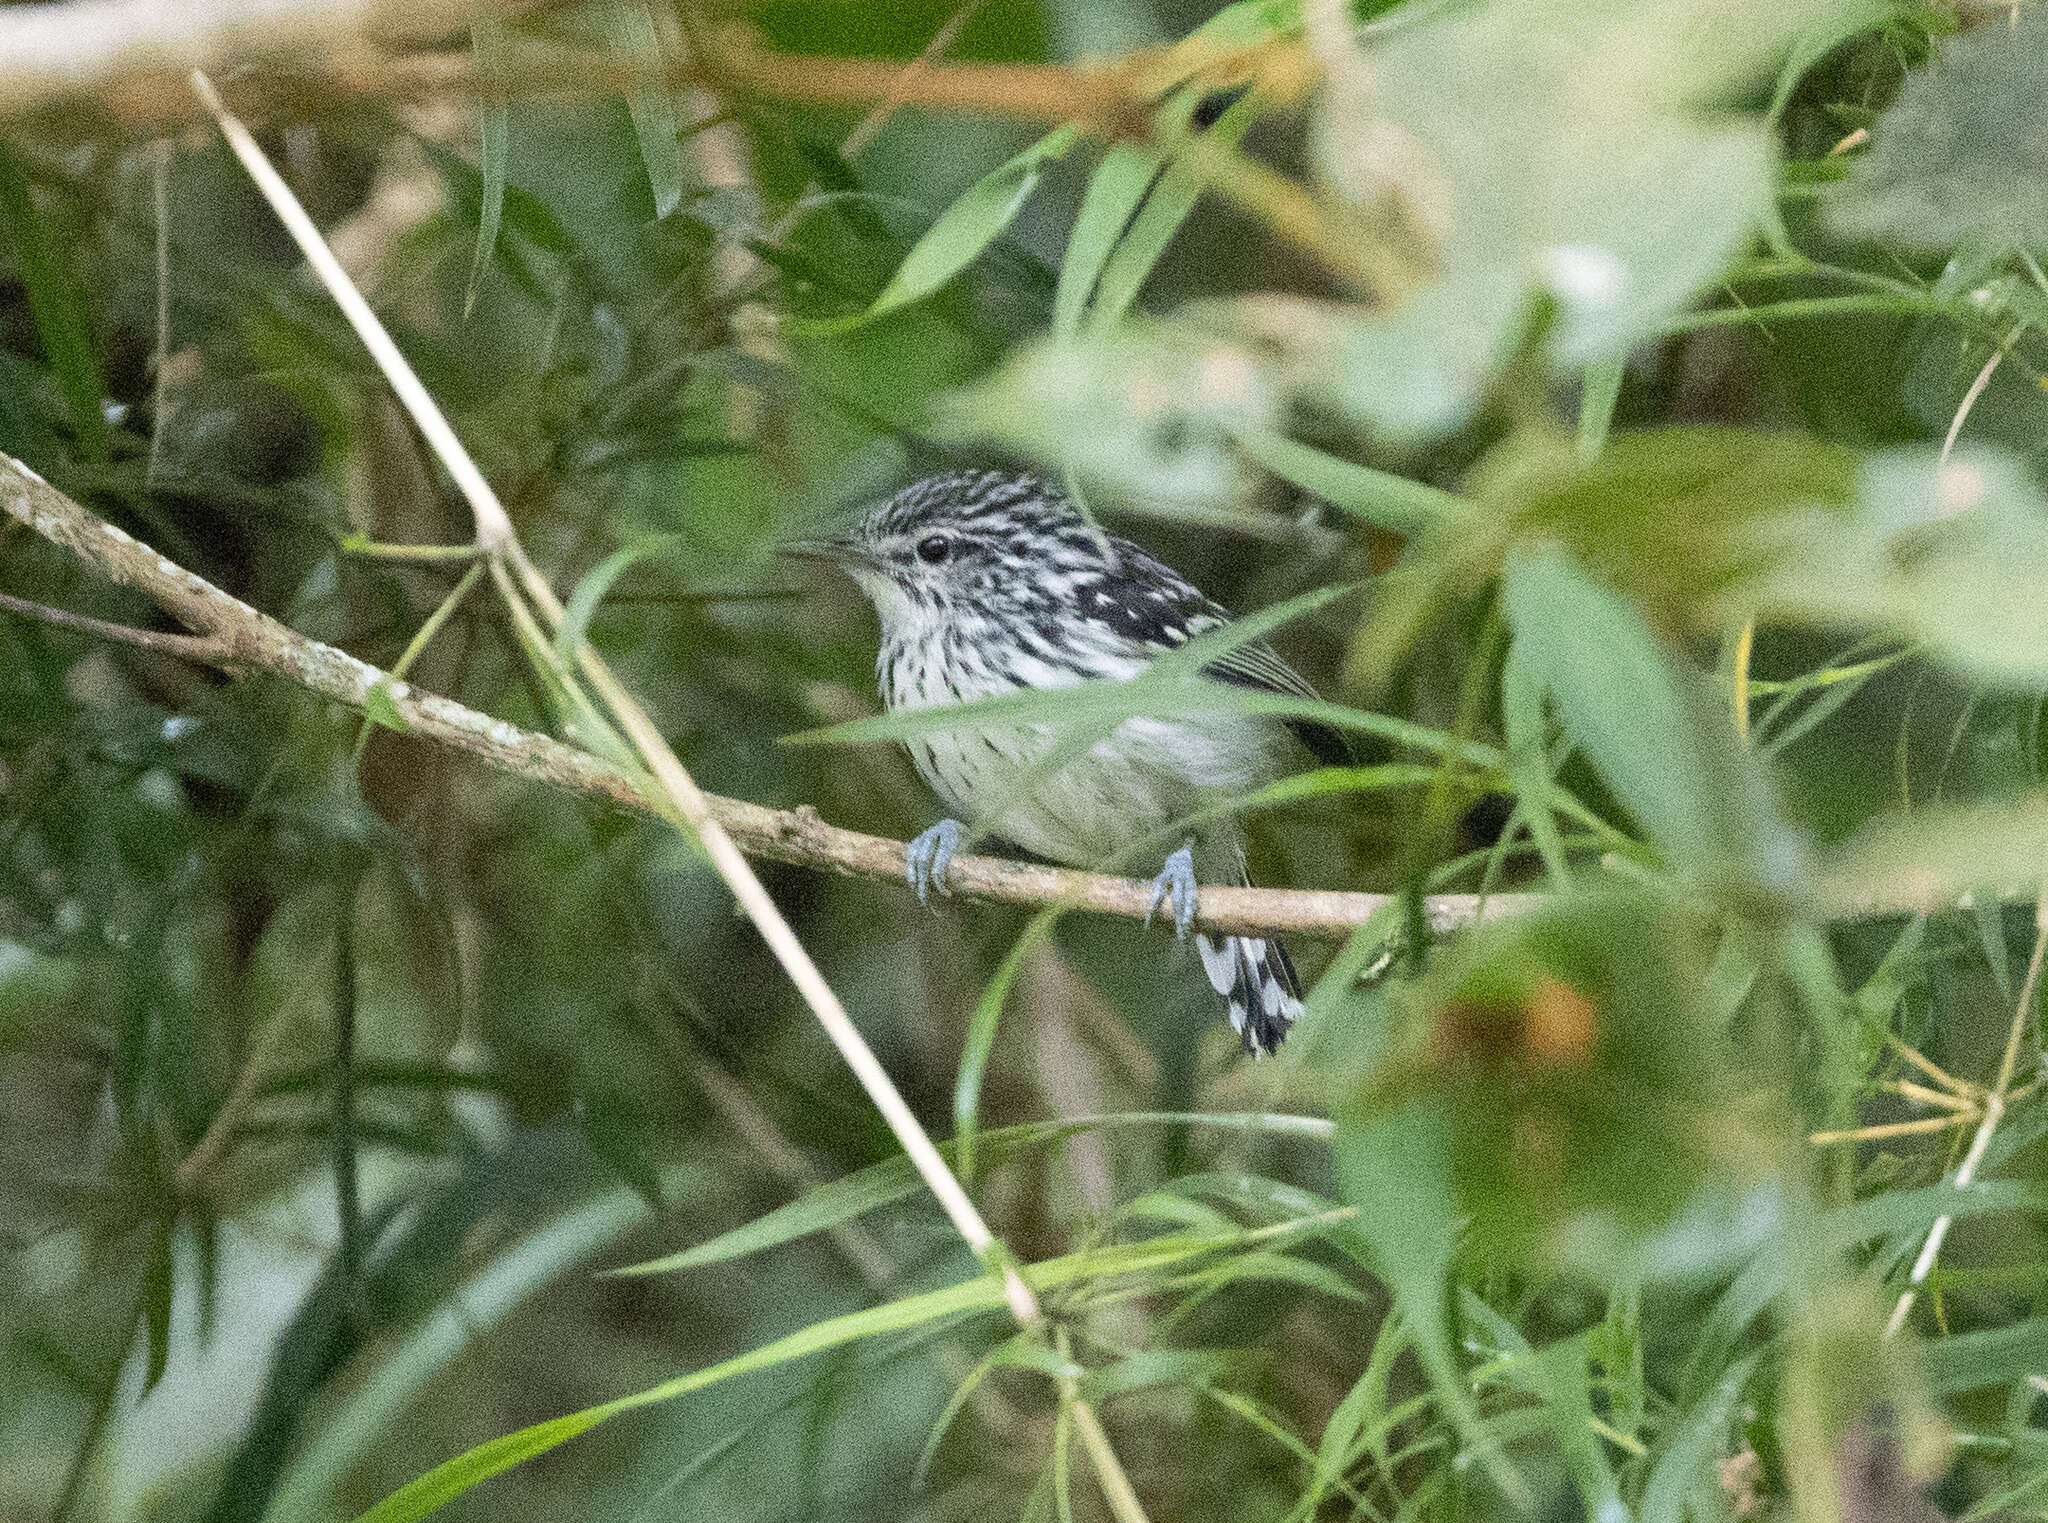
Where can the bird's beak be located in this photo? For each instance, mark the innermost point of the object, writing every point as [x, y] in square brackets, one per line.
[837, 551]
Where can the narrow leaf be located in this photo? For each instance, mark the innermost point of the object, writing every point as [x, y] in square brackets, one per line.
[157, 1287]
[972, 222]
[630, 25]
[1380, 498]
[56, 306]
[1114, 192]
[895, 1180]
[452, 1478]
[1131, 263]
[1618, 693]
[981, 1040]
[597, 582]
[487, 40]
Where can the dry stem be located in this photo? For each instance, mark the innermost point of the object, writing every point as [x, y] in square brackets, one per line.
[238, 638]
[1994, 1110]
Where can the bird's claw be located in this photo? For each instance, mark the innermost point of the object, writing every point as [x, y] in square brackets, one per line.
[1176, 879]
[930, 855]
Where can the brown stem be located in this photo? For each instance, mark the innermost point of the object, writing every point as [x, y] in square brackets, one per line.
[198, 648]
[236, 637]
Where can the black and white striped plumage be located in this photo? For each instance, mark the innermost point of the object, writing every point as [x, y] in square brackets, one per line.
[987, 583]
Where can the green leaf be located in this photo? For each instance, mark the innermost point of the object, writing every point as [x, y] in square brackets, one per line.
[1690, 1455]
[630, 26]
[1380, 498]
[1993, 1356]
[487, 42]
[596, 582]
[1114, 192]
[1145, 410]
[1598, 392]
[158, 1285]
[361, 1421]
[895, 1179]
[1179, 186]
[1962, 155]
[380, 708]
[1933, 856]
[971, 223]
[1570, 160]
[1953, 554]
[981, 1039]
[1620, 697]
[1395, 1168]
[452, 1478]
[56, 304]
[1680, 520]
[1521, 707]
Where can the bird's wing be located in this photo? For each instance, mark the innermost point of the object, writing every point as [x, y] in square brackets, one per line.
[1161, 611]
[1258, 665]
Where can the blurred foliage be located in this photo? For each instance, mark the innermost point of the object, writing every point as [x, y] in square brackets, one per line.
[1672, 378]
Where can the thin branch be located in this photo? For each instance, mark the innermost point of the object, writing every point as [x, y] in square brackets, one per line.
[878, 116]
[208, 652]
[493, 527]
[136, 52]
[1893, 1129]
[677, 797]
[236, 637]
[133, 58]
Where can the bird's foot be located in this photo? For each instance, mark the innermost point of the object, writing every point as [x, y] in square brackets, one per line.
[930, 855]
[1176, 879]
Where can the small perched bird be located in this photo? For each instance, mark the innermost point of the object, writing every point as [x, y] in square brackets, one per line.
[988, 582]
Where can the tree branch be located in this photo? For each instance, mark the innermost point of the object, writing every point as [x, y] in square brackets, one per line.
[133, 55]
[237, 638]
[132, 58]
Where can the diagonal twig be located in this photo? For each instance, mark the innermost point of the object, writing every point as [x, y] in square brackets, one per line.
[678, 795]
[234, 636]
[201, 648]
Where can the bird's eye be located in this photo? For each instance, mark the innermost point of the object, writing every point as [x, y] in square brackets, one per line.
[934, 548]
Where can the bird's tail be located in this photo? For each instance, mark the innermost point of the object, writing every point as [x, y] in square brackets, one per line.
[1258, 980]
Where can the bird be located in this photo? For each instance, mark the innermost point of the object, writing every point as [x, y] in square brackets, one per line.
[993, 582]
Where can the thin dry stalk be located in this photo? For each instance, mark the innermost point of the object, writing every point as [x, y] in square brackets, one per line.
[1994, 1109]
[495, 536]
[238, 639]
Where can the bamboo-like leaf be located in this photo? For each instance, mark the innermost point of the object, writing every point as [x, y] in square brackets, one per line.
[1521, 702]
[158, 1283]
[963, 230]
[971, 223]
[451, 1479]
[1114, 193]
[1131, 262]
[630, 25]
[894, 1180]
[1619, 695]
[1143, 696]
[598, 581]
[981, 1041]
[1395, 1168]
[360, 1422]
[1689, 1455]
[1380, 498]
[1598, 392]
[56, 305]
[487, 42]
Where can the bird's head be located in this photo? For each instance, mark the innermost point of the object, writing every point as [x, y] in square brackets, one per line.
[991, 543]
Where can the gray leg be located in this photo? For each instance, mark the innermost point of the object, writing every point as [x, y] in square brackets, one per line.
[1177, 879]
[930, 855]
